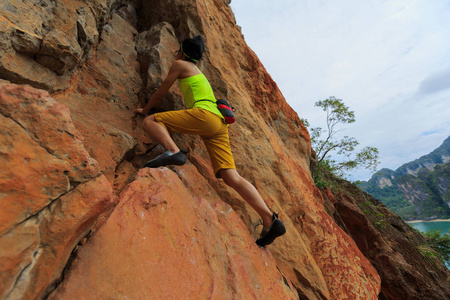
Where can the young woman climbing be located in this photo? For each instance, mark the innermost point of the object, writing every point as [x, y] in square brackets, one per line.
[204, 119]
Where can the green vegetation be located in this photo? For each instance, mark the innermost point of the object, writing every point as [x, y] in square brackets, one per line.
[429, 253]
[325, 143]
[440, 243]
[437, 180]
[380, 224]
[393, 198]
[323, 176]
[418, 190]
[318, 174]
[421, 200]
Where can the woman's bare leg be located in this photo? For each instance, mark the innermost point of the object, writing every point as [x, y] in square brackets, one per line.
[159, 133]
[247, 191]
[231, 177]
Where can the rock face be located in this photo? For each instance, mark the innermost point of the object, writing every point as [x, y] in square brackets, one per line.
[182, 247]
[72, 72]
[407, 268]
[52, 192]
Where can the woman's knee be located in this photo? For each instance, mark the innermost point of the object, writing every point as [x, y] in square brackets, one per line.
[148, 122]
[230, 177]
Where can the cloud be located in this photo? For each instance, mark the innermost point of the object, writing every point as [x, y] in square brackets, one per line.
[435, 82]
[441, 130]
[380, 57]
[429, 132]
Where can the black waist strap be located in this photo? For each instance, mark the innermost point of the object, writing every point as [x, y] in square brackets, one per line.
[204, 100]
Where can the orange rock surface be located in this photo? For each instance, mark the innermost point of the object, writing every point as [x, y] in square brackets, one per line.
[52, 193]
[161, 242]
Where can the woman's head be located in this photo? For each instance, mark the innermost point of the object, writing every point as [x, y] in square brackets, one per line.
[193, 48]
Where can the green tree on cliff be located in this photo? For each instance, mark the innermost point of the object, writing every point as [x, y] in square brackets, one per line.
[440, 242]
[339, 155]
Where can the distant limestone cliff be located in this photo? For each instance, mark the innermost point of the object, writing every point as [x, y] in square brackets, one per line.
[418, 190]
[81, 219]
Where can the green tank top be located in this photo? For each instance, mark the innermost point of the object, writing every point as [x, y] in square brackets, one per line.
[197, 88]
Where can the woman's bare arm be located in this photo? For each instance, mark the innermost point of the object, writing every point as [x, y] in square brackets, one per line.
[175, 70]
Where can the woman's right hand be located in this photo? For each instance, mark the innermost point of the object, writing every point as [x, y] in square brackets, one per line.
[174, 72]
[139, 111]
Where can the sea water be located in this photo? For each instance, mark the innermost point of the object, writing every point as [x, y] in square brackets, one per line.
[443, 226]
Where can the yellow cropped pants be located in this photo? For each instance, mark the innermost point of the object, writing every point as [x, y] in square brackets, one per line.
[209, 126]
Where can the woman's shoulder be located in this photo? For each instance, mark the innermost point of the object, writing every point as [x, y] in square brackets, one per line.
[182, 64]
[185, 68]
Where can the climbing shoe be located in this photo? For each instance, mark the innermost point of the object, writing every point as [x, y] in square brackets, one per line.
[167, 158]
[269, 234]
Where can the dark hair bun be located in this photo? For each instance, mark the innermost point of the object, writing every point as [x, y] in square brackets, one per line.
[193, 48]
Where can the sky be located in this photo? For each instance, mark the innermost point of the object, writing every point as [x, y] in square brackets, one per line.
[389, 61]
